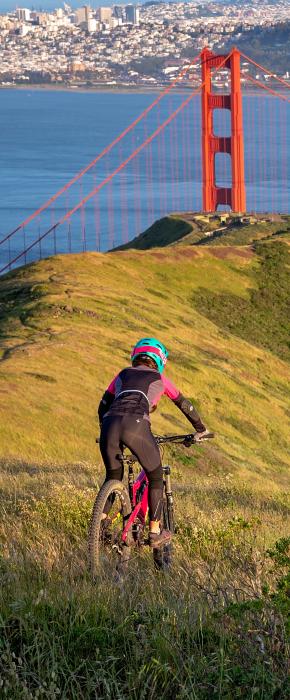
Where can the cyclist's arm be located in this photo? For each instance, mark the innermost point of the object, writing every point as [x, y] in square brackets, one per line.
[184, 404]
[107, 400]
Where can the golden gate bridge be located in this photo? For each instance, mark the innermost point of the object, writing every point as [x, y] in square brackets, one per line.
[191, 150]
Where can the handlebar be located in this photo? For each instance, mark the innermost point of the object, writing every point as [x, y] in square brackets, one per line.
[187, 440]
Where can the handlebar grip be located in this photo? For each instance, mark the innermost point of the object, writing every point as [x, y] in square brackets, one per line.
[209, 436]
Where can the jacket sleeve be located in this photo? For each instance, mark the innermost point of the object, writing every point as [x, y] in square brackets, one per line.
[106, 400]
[185, 405]
[190, 412]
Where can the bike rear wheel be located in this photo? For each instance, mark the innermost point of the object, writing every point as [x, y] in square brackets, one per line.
[105, 535]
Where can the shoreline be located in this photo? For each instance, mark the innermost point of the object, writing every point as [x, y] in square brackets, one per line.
[91, 89]
[118, 89]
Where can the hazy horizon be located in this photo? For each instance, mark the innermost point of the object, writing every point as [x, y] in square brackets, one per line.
[44, 5]
[8, 5]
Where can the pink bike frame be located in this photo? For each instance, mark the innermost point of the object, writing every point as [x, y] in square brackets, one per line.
[140, 509]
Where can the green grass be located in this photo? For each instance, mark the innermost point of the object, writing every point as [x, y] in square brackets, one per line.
[217, 625]
[187, 229]
[264, 318]
[249, 233]
[162, 233]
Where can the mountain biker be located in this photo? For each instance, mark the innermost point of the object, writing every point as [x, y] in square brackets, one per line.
[124, 419]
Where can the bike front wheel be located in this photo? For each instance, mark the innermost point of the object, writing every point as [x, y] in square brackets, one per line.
[163, 556]
[105, 533]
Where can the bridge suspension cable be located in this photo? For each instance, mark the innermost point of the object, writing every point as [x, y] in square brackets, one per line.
[104, 182]
[265, 70]
[105, 151]
[108, 179]
[176, 167]
[266, 87]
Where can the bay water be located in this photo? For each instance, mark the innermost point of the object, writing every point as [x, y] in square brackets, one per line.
[47, 136]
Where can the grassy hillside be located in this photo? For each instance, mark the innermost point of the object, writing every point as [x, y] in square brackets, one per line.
[263, 318]
[249, 233]
[218, 623]
[192, 229]
[163, 232]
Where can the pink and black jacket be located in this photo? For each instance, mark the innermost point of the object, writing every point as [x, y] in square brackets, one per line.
[137, 390]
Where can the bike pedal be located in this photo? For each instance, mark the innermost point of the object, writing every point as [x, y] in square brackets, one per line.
[117, 549]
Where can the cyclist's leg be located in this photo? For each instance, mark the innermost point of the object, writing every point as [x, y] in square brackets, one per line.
[111, 451]
[110, 446]
[136, 434]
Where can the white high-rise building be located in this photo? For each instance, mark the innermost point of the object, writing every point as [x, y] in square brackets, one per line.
[23, 14]
[114, 22]
[92, 25]
[24, 29]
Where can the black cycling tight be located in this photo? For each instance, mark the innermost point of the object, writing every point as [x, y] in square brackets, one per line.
[134, 433]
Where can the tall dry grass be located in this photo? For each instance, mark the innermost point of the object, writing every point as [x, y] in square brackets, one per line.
[217, 624]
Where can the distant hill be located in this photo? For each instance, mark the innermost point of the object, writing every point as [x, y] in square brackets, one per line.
[163, 232]
[269, 46]
[195, 229]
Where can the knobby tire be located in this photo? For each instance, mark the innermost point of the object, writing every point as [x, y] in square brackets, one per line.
[96, 546]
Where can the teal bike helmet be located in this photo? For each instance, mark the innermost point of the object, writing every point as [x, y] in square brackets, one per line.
[152, 348]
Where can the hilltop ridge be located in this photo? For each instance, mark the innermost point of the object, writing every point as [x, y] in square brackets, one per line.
[190, 228]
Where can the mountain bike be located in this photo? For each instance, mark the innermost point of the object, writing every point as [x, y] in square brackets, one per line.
[118, 522]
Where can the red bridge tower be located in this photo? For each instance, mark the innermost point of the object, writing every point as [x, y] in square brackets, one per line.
[212, 194]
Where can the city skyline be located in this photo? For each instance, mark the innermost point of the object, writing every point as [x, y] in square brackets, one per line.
[131, 45]
[50, 5]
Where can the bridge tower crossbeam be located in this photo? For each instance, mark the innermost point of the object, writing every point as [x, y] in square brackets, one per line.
[212, 194]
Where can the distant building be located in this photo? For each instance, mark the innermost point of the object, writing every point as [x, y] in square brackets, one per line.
[24, 29]
[170, 69]
[42, 18]
[76, 66]
[118, 11]
[92, 25]
[105, 14]
[114, 22]
[83, 14]
[132, 14]
[23, 14]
